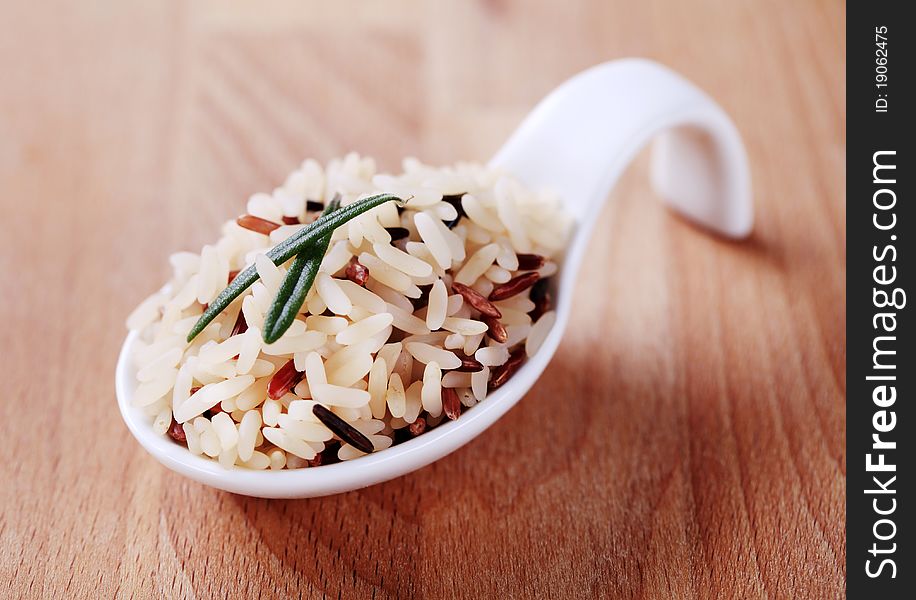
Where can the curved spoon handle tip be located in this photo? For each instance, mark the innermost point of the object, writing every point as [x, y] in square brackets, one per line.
[583, 135]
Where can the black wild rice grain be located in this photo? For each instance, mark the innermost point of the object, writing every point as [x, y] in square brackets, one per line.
[342, 429]
[423, 300]
[454, 200]
[541, 298]
[397, 233]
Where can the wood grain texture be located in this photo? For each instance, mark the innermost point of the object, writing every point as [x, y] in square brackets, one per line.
[688, 440]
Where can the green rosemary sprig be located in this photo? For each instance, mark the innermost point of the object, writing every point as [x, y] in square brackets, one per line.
[307, 237]
[296, 284]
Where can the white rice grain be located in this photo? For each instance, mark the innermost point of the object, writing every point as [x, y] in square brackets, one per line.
[407, 322]
[265, 207]
[302, 410]
[328, 325]
[253, 396]
[438, 305]
[348, 452]
[146, 312]
[396, 398]
[335, 395]
[434, 240]
[160, 366]
[262, 368]
[426, 353]
[308, 431]
[334, 297]
[248, 433]
[549, 269]
[480, 215]
[253, 315]
[518, 302]
[258, 461]
[539, 332]
[413, 401]
[456, 379]
[314, 369]
[455, 341]
[361, 297]
[492, 356]
[149, 392]
[249, 351]
[516, 334]
[291, 444]
[484, 286]
[277, 458]
[455, 302]
[508, 214]
[163, 420]
[209, 440]
[378, 386]
[192, 438]
[270, 412]
[402, 261]
[479, 381]
[345, 367]
[514, 317]
[291, 344]
[432, 389]
[221, 352]
[225, 430]
[314, 303]
[466, 396]
[465, 327]
[208, 282]
[183, 382]
[497, 274]
[477, 264]
[390, 353]
[337, 258]
[186, 296]
[385, 273]
[507, 258]
[270, 274]
[210, 395]
[361, 331]
[471, 343]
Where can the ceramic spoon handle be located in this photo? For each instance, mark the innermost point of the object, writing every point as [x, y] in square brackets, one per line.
[582, 136]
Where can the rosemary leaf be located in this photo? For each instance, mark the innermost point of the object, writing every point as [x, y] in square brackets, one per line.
[285, 250]
[295, 286]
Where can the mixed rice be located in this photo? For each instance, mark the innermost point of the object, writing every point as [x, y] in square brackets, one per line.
[417, 312]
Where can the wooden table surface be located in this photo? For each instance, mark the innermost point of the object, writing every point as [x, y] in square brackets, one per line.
[688, 440]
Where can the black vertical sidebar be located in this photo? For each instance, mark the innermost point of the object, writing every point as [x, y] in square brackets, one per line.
[880, 372]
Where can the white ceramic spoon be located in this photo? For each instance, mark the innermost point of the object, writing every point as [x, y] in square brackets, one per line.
[577, 141]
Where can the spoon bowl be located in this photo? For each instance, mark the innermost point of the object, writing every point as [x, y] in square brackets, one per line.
[577, 142]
